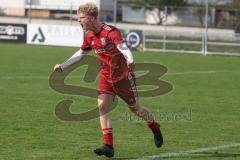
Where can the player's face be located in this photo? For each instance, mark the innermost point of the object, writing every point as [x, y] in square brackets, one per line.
[85, 21]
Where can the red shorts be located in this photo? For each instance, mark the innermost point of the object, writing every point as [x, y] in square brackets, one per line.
[125, 88]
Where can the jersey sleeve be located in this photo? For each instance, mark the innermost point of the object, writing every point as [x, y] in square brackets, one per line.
[115, 36]
[86, 46]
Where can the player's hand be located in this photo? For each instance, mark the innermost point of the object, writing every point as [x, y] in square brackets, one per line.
[57, 68]
[131, 65]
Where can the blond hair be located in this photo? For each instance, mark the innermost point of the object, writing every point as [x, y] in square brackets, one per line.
[89, 9]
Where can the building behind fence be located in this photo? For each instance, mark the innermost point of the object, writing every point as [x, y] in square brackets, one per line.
[202, 28]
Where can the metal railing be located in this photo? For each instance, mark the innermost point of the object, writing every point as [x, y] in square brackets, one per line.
[188, 44]
[202, 26]
[207, 43]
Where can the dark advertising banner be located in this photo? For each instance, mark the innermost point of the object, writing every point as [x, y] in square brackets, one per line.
[10, 32]
[134, 38]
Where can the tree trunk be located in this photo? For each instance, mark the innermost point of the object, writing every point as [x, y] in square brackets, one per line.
[160, 17]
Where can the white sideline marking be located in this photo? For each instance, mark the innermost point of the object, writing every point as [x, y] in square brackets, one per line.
[30, 77]
[168, 74]
[22, 77]
[184, 153]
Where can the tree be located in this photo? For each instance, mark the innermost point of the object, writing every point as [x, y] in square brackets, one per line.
[158, 5]
[200, 8]
[236, 5]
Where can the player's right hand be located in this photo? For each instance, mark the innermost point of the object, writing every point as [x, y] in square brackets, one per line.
[57, 68]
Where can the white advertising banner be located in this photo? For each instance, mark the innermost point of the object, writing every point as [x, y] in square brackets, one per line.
[59, 35]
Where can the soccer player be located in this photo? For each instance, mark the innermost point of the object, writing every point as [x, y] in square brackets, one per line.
[116, 75]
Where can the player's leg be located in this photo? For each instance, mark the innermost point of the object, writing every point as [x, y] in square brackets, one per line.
[152, 124]
[104, 103]
[141, 112]
[126, 89]
[105, 100]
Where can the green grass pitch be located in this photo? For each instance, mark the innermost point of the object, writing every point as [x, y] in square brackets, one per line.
[206, 90]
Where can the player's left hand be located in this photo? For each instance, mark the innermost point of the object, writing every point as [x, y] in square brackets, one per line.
[131, 65]
[57, 68]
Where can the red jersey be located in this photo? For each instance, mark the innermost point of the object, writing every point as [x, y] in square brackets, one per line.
[114, 66]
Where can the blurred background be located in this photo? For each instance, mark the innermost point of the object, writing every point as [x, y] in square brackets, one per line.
[186, 36]
[188, 26]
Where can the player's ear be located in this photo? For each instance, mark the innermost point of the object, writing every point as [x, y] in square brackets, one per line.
[93, 18]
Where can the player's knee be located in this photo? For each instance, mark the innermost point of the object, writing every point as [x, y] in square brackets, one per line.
[135, 109]
[103, 108]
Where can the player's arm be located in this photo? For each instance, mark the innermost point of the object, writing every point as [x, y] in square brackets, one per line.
[117, 38]
[75, 58]
[123, 48]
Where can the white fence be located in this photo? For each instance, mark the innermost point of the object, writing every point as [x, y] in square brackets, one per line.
[201, 29]
[199, 42]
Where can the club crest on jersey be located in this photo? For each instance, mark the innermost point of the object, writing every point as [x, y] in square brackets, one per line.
[103, 41]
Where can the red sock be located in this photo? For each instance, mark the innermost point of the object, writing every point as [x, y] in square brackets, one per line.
[107, 136]
[154, 126]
